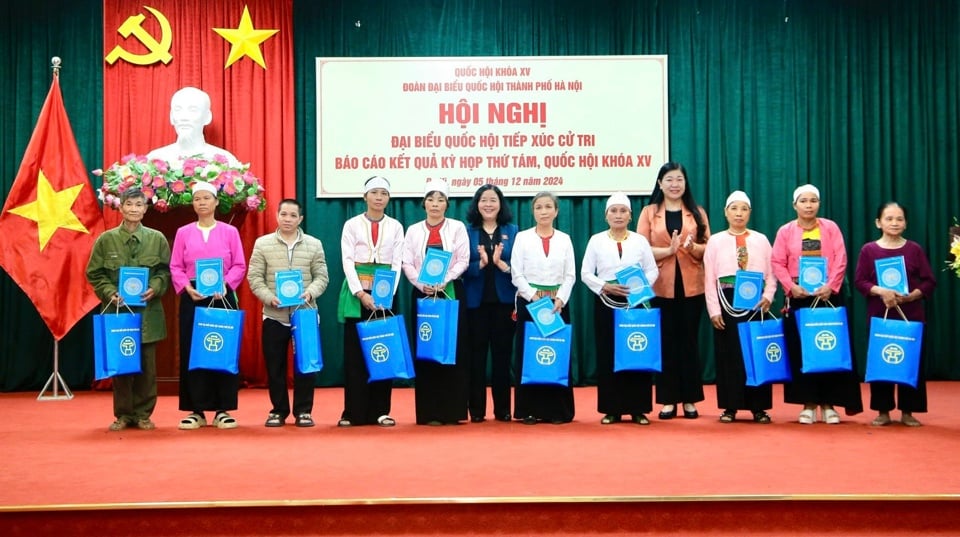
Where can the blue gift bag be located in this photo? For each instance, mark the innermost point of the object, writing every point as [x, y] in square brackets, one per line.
[437, 330]
[386, 349]
[546, 359]
[636, 340]
[893, 351]
[764, 352]
[824, 339]
[215, 344]
[305, 328]
[116, 344]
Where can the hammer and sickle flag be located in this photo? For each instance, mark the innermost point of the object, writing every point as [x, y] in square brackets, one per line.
[50, 221]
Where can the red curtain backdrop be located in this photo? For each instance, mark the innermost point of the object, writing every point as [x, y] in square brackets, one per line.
[252, 105]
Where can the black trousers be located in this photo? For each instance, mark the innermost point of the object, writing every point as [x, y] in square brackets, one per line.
[276, 344]
[491, 328]
[681, 378]
[363, 402]
[203, 389]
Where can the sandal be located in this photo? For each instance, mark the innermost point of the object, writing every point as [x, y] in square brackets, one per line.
[761, 417]
[640, 419]
[344, 423]
[610, 418]
[273, 420]
[386, 421]
[193, 421]
[728, 416]
[304, 420]
[224, 421]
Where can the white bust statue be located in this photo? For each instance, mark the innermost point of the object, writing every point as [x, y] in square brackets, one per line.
[189, 114]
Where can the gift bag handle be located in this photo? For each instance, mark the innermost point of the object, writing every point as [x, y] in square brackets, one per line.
[900, 311]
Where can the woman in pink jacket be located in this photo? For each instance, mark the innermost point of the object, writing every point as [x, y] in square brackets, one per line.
[810, 235]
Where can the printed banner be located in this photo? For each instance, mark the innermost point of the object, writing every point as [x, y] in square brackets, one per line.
[575, 125]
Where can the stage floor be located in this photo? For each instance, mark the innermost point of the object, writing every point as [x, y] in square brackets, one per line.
[59, 454]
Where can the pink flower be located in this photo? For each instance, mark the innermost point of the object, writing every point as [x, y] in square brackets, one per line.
[132, 157]
[229, 188]
[148, 192]
[188, 168]
[178, 186]
[220, 158]
[249, 178]
[98, 172]
[160, 165]
[145, 179]
[158, 181]
[253, 203]
[161, 205]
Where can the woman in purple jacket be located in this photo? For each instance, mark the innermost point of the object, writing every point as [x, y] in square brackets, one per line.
[892, 221]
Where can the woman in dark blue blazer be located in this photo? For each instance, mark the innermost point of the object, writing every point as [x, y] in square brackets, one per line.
[490, 301]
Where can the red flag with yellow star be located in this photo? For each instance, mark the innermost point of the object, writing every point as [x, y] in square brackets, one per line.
[50, 221]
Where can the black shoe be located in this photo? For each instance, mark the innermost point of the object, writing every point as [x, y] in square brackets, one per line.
[761, 417]
[691, 414]
[505, 417]
[610, 418]
[664, 415]
[304, 420]
[477, 419]
[529, 420]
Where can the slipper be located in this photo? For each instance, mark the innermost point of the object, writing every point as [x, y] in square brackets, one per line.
[386, 421]
[610, 418]
[640, 419]
[193, 421]
[344, 423]
[728, 416]
[224, 421]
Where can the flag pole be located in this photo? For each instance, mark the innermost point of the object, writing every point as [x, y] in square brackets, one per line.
[55, 379]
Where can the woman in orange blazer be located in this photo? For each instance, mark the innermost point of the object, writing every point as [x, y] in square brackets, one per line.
[677, 229]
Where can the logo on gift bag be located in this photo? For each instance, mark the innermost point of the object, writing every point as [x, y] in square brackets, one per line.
[546, 355]
[890, 277]
[213, 342]
[637, 341]
[748, 290]
[825, 340]
[425, 331]
[774, 353]
[892, 354]
[128, 346]
[380, 353]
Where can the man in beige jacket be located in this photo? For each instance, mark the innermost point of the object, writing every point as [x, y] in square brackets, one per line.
[286, 249]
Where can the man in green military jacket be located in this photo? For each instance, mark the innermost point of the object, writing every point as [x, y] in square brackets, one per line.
[132, 245]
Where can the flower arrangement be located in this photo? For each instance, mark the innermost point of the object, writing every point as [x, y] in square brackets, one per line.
[167, 187]
[953, 260]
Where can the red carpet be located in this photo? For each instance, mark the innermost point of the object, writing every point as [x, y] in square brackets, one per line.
[58, 457]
